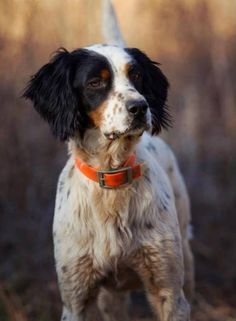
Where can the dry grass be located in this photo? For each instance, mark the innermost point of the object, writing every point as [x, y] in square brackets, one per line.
[12, 305]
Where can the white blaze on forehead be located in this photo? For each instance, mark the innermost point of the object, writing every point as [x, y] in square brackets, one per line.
[116, 56]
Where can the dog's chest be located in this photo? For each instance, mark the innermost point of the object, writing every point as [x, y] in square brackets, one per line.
[87, 222]
[92, 221]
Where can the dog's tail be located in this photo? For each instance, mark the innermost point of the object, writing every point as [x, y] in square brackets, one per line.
[110, 26]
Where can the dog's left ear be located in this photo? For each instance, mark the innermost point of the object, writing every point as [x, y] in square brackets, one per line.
[155, 89]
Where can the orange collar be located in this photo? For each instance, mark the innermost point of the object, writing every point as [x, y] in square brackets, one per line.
[113, 178]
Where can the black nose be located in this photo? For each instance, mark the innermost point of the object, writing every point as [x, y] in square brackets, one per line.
[137, 108]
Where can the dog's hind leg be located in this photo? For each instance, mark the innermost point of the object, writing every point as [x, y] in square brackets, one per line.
[182, 203]
[184, 217]
[113, 305]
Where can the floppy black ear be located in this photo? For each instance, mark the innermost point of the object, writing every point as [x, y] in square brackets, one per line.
[155, 89]
[53, 96]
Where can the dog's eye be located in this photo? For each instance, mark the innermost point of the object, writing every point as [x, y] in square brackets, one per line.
[135, 75]
[96, 83]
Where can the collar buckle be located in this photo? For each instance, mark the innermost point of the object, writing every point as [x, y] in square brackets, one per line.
[128, 177]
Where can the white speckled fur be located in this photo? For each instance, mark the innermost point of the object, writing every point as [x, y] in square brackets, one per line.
[116, 118]
[98, 233]
[80, 230]
[77, 216]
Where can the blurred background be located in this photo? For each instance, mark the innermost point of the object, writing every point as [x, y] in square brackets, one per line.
[195, 41]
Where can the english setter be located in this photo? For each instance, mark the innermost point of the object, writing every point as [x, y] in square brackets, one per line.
[122, 210]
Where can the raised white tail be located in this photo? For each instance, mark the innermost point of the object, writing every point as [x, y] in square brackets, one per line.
[110, 26]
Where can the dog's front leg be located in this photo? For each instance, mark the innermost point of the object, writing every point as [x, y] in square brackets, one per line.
[161, 269]
[67, 315]
[78, 281]
[94, 314]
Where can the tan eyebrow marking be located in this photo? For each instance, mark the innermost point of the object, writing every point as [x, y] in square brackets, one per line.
[127, 68]
[105, 74]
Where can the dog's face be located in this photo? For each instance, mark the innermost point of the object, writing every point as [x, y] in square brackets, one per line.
[119, 91]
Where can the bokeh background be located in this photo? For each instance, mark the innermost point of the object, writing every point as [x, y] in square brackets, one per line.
[195, 41]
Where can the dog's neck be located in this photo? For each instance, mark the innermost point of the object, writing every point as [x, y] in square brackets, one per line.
[97, 151]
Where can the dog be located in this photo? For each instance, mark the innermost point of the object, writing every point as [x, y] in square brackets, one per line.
[122, 210]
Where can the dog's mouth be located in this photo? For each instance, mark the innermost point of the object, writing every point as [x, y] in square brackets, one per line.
[136, 128]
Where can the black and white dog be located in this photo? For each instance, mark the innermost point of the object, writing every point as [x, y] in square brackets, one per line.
[122, 210]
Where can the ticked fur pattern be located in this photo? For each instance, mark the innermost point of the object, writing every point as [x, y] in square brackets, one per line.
[99, 234]
[107, 102]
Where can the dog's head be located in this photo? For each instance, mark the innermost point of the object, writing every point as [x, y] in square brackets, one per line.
[119, 91]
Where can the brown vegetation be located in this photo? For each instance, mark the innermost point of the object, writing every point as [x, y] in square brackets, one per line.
[196, 44]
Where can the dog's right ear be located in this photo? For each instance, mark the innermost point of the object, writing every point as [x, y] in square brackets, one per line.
[54, 97]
